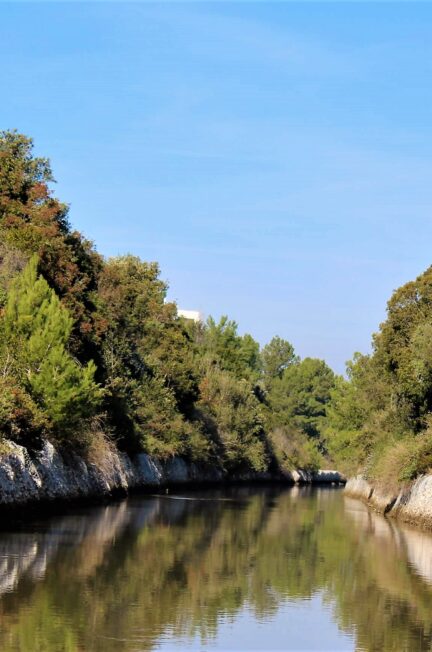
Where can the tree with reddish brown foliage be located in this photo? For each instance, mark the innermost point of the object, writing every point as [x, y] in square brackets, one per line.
[33, 220]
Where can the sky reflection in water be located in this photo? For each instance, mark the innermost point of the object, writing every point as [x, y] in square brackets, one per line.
[246, 568]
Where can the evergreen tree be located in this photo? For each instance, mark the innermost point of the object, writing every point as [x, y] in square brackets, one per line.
[222, 345]
[36, 330]
[301, 395]
[276, 356]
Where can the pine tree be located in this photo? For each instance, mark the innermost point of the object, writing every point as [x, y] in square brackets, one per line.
[37, 328]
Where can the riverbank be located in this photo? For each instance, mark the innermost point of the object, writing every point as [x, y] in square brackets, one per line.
[411, 504]
[50, 476]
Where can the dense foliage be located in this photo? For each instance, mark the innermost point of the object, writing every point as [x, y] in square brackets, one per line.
[89, 345]
[380, 418]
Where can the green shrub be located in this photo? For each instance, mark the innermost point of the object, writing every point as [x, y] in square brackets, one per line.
[398, 462]
[21, 420]
[160, 428]
[294, 450]
[234, 415]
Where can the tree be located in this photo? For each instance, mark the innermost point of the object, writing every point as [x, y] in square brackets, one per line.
[346, 416]
[222, 344]
[146, 351]
[36, 330]
[12, 262]
[161, 429]
[234, 417]
[33, 221]
[379, 420]
[276, 356]
[401, 349]
[301, 395]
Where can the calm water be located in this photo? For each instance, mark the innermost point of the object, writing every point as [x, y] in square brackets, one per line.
[244, 569]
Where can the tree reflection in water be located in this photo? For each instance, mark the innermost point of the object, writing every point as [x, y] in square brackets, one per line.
[123, 576]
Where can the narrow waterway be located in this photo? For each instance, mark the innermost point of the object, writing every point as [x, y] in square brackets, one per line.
[239, 569]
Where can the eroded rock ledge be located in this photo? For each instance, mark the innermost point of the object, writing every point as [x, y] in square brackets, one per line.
[49, 476]
[412, 504]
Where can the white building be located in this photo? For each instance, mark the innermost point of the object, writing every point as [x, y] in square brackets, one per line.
[193, 315]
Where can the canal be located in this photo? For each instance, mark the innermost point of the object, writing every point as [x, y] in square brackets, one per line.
[246, 568]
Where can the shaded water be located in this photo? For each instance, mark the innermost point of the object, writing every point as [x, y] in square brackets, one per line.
[246, 568]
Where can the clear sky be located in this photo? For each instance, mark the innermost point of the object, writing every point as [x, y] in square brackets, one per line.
[274, 158]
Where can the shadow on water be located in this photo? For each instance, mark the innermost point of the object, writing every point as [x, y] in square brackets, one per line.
[149, 570]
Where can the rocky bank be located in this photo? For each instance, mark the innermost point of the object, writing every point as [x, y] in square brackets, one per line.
[411, 504]
[50, 476]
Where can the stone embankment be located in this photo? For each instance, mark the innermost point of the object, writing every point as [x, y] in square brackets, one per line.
[411, 504]
[50, 476]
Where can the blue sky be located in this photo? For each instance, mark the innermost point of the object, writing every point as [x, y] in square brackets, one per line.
[275, 159]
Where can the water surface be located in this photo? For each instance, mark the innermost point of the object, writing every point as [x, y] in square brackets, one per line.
[240, 569]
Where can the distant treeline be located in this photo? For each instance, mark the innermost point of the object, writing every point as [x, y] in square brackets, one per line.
[92, 356]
